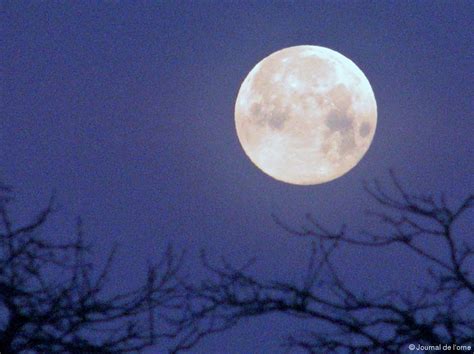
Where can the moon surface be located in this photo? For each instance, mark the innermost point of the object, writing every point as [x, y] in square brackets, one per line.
[305, 115]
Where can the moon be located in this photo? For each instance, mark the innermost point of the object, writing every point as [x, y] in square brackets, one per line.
[305, 115]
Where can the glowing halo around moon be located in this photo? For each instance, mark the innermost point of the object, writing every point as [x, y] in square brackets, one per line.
[305, 115]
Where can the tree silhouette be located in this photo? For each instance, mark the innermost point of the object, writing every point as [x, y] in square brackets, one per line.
[343, 320]
[54, 300]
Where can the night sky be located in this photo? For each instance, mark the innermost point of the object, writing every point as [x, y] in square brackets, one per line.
[125, 110]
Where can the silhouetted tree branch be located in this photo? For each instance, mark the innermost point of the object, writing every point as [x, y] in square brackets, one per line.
[343, 320]
[54, 300]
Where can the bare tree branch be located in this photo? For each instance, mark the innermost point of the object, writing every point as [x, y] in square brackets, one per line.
[343, 320]
[56, 300]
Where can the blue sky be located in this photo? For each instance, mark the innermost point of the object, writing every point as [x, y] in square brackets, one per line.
[125, 109]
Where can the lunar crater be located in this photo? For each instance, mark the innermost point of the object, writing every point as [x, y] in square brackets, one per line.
[337, 121]
[305, 115]
[364, 129]
[277, 120]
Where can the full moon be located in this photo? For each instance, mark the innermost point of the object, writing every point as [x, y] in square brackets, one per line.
[305, 115]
